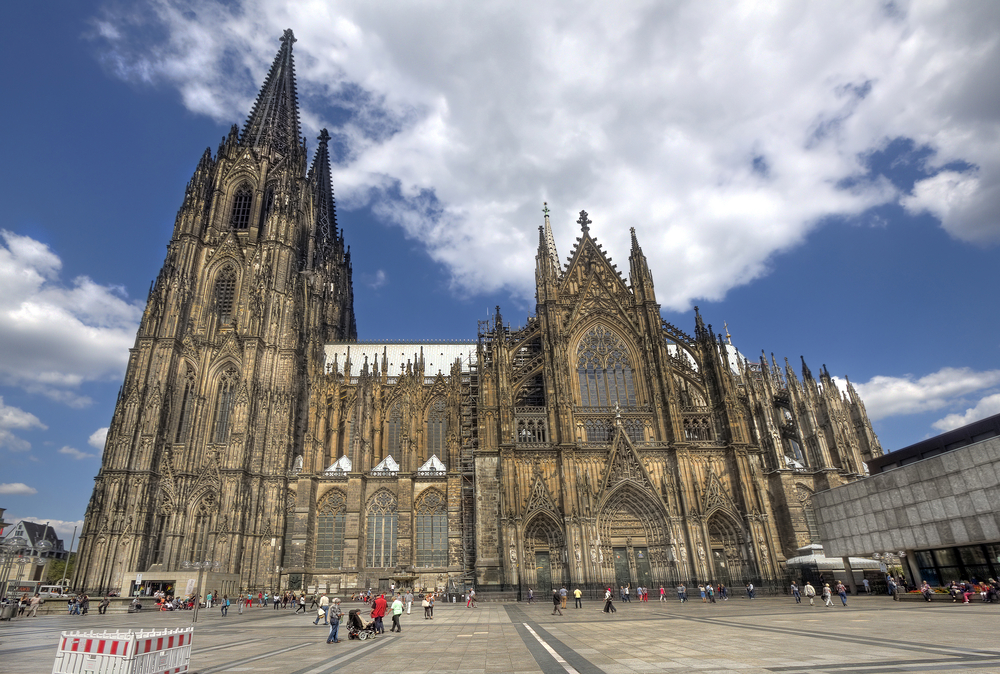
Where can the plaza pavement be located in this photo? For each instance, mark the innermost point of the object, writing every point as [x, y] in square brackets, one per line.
[872, 635]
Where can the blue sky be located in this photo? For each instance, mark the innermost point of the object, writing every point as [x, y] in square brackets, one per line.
[824, 180]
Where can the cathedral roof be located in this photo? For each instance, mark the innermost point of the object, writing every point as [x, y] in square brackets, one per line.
[437, 355]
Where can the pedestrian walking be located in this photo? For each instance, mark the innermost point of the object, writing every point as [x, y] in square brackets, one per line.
[810, 592]
[321, 612]
[827, 595]
[842, 591]
[397, 610]
[33, 605]
[868, 589]
[795, 593]
[577, 595]
[334, 615]
[426, 604]
[531, 595]
[224, 605]
[711, 593]
[409, 601]
[562, 597]
[663, 594]
[378, 612]
[750, 593]
[682, 593]
[556, 601]
[609, 605]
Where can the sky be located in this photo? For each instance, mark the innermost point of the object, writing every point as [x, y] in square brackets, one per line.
[822, 178]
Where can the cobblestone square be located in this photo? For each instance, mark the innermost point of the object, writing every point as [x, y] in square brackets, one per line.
[873, 634]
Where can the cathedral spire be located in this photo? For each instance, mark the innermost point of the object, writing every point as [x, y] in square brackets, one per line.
[326, 214]
[274, 119]
[550, 240]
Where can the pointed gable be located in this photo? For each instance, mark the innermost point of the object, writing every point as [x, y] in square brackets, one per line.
[539, 498]
[624, 464]
[386, 466]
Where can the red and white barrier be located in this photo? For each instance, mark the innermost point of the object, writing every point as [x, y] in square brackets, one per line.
[142, 652]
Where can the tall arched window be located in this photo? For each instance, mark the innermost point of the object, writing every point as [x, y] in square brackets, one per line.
[224, 404]
[266, 206]
[242, 201]
[186, 407]
[437, 427]
[432, 529]
[382, 530]
[330, 531]
[604, 370]
[394, 428]
[199, 541]
[225, 292]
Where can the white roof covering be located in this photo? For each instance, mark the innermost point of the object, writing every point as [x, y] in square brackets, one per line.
[388, 464]
[438, 356]
[341, 465]
[432, 464]
[816, 557]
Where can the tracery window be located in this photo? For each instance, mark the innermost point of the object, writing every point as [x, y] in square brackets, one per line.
[432, 530]
[224, 404]
[186, 408]
[199, 542]
[225, 292]
[604, 370]
[240, 218]
[437, 427]
[382, 530]
[330, 524]
[393, 428]
[266, 206]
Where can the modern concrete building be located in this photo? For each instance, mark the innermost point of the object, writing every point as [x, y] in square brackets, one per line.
[936, 501]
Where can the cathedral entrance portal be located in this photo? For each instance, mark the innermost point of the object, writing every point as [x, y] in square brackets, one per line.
[728, 546]
[543, 573]
[623, 574]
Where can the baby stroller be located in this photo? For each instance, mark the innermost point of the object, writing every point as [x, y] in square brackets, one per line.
[356, 628]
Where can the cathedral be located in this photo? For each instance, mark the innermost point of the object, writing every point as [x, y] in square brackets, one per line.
[257, 444]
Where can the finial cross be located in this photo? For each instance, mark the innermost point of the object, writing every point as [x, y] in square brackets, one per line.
[324, 136]
[584, 221]
[545, 208]
[288, 36]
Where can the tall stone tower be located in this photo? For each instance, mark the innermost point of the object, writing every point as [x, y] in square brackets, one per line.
[212, 415]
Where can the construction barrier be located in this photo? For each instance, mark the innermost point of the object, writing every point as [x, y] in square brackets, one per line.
[142, 652]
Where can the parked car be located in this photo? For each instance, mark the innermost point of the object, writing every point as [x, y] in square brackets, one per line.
[49, 591]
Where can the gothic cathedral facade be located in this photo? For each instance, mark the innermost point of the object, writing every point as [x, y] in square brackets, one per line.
[256, 436]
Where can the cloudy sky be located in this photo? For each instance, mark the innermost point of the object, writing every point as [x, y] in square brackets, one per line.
[822, 177]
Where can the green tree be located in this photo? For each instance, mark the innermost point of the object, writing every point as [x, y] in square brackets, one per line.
[57, 568]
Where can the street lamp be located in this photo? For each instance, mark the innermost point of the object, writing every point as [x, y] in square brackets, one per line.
[207, 565]
[18, 550]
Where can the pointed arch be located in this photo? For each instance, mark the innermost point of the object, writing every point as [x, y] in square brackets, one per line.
[628, 512]
[437, 427]
[382, 529]
[186, 398]
[542, 531]
[430, 514]
[605, 369]
[225, 399]
[225, 293]
[202, 515]
[331, 519]
[729, 548]
[394, 427]
[239, 214]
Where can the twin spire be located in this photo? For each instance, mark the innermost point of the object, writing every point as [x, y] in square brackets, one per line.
[274, 119]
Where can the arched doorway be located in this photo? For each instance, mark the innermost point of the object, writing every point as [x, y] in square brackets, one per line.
[731, 563]
[633, 533]
[543, 545]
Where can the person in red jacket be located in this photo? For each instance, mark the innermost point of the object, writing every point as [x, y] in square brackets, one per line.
[378, 612]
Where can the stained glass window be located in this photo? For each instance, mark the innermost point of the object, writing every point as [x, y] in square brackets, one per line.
[330, 531]
[604, 370]
[382, 530]
[437, 427]
[224, 404]
[241, 207]
[393, 428]
[225, 291]
[432, 530]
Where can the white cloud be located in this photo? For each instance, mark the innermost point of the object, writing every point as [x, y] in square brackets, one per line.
[376, 280]
[76, 453]
[14, 417]
[63, 528]
[987, 406]
[723, 131]
[98, 438]
[12, 488]
[893, 396]
[57, 336]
